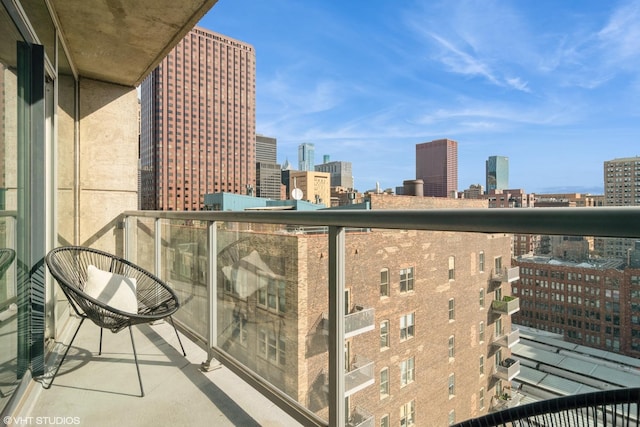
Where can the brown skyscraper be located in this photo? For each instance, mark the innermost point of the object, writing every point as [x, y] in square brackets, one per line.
[437, 166]
[198, 123]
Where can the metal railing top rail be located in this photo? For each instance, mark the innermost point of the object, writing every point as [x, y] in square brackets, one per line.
[598, 221]
[534, 413]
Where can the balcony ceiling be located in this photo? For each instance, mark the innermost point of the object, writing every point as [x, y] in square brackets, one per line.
[122, 41]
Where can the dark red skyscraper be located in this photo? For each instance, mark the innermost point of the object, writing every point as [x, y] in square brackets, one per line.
[198, 123]
[437, 166]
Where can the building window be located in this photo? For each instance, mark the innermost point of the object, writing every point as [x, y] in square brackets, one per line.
[384, 282]
[271, 347]
[452, 309]
[498, 264]
[481, 399]
[384, 421]
[239, 327]
[452, 347]
[407, 326]
[481, 298]
[384, 334]
[452, 268]
[384, 383]
[452, 385]
[407, 371]
[407, 414]
[273, 295]
[406, 279]
[452, 417]
[481, 261]
[481, 331]
[481, 364]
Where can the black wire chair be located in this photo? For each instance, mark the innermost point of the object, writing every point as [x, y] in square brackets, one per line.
[155, 299]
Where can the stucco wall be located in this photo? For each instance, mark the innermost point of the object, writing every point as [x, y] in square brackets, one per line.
[108, 161]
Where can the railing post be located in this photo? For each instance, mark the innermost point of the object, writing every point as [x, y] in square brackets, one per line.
[157, 247]
[212, 323]
[336, 254]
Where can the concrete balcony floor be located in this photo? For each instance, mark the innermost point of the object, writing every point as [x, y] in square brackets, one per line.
[104, 391]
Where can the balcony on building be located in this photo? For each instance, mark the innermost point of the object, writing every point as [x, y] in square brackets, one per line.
[359, 321]
[360, 376]
[507, 305]
[507, 339]
[508, 369]
[505, 275]
[360, 417]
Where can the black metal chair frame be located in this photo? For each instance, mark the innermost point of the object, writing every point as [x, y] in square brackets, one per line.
[156, 300]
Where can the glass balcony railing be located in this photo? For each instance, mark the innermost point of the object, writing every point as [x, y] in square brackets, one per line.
[508, 339]
[258, 292]
[361, 320]
[360, 418]
[507, 370]
[505, 275]
[507, 305]
[359, 377]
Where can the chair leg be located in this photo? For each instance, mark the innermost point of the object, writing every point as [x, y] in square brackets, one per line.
[100, 348]
[65, 354]
[135, 356]
[184, 353]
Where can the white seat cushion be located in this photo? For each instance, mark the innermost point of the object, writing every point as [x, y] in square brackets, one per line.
[112, 289]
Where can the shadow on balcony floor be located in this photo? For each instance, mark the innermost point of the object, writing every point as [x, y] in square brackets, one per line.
[104, 391]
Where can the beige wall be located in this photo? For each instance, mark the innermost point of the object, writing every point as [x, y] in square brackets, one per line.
[108, 159]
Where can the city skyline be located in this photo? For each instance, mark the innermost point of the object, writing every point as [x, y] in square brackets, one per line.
[550, 85]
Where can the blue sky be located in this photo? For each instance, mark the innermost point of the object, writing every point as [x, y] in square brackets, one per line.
[553, 85]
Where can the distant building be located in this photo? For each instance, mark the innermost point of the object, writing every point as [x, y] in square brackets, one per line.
[577, 200]
[341, 173]
[475, 191]
[268, 174]
[621, 188]
[437, 166]
[194, 142]
[315, 187]
[594, 303]
[306, 154]
[497, 173]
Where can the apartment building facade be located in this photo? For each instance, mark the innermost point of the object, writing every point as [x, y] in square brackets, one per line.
[198, 123]
[427, 325]
[593, 303]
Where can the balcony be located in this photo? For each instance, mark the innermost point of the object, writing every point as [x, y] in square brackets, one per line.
[359, 321]
[507, 340]
[507, 305]
[360, 418]
[505, 275]
[360, 376]
[178, 391]
[508, 369]
[224, 278]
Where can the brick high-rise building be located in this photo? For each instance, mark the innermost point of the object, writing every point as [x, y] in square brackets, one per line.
[427, 315]
[595, 303]
[437, 166]
[198, 123]
[621, 188]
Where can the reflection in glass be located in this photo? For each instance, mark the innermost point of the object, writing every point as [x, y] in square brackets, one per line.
[8, 208]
